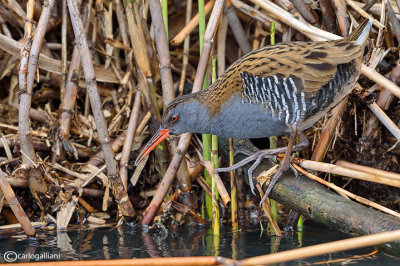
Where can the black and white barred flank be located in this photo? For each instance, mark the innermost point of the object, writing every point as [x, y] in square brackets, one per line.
[285, 97]
[280, 95]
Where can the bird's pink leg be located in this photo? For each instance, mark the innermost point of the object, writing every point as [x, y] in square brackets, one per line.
[284, 164]
[269, 153]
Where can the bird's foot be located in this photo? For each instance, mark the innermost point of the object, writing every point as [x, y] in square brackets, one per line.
[256, 157]
[270, 153]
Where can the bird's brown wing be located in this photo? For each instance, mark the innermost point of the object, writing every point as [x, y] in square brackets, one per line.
[314, 64]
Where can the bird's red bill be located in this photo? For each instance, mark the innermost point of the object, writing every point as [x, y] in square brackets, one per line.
[160, 135]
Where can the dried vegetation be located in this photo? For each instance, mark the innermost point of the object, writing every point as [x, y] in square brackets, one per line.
[81, 92]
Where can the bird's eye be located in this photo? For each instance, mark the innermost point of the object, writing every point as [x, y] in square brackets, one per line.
[174, 118]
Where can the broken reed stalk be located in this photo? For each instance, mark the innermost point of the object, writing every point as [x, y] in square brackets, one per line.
[346, 193]
[237, 29]
[121, 18]
[370, 170]
[189, 27]
[327, 15]
[72, 86]
[380, 114]
[15, 206]
[130, 133]
[268, 213]
[24, 124]
[343, 171]
[255, 13]
[394, 22]
[218, 183]
[118, 189]
[331, 247]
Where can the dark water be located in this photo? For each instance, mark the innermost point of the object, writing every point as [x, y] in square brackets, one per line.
[136, 242]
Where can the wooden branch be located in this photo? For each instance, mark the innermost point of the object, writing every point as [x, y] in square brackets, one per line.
[118, 188]
[161, 41]
[319, 204]
[52, 65]
[15, 206]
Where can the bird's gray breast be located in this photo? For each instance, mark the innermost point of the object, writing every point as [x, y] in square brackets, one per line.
[238, 119]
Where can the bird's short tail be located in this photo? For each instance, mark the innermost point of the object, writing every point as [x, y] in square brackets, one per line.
[360, 34]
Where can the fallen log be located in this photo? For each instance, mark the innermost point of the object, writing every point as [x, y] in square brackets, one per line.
[319, 204]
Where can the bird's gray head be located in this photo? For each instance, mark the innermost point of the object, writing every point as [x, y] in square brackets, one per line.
[185, 114]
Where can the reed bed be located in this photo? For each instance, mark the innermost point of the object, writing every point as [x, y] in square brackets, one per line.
[84, 85]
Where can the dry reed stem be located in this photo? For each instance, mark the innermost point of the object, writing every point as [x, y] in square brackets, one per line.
[218, 183]
[342, 192]
[15, 206]
[339, 170]
[365, 14]
[327, 15]
[256, 14]
[118, 189]
[237, 29]
[130, 133]
[331, 247]
[380, 114]
[167, 261]
[161, 41]
[189, 27]
[46, 63]
[370, 170]
[86, 205]
[71, 87]
[137, 37]
[327, 132]
[26, 96]
[267, 212]
[306, 12]
[341, 14]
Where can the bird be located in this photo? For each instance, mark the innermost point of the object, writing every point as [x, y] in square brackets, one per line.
[276, 90]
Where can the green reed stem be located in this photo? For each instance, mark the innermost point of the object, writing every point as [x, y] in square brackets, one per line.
[205, 137]
[214, 160]
[234, 204]
[273, 143]
[165, 15]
